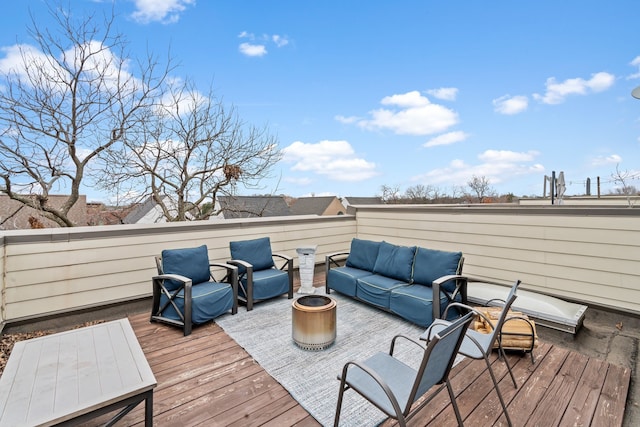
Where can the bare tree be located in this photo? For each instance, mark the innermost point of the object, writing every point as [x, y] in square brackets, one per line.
[622, 178]
[73, 95]
[187, 151]
[390, 194]
[480, 187]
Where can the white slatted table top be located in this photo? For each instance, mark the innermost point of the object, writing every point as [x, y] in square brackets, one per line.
[58, 377]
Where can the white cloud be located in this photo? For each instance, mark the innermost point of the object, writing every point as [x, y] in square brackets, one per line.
[444, 93]
[164, 11]
[557, 92]
[346, 120]
[606, 160]
[279, 40]
[447, 139]
[501, 156]
[413, 114]
[258, 45]
[335, 160]
[635, 63]
[496, 165]
[249, 49]
[509, 105]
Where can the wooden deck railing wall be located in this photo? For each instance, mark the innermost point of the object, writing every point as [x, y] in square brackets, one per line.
[590, 255]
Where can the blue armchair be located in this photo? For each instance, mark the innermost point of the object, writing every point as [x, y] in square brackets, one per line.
[185, 291]
[258, 276]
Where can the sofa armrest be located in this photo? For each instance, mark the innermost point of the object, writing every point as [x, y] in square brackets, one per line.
[332, 260]
[461, 288]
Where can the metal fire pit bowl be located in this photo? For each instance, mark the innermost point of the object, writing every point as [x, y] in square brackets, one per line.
[314, 322]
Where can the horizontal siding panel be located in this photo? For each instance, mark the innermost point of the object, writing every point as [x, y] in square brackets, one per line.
[582, 254]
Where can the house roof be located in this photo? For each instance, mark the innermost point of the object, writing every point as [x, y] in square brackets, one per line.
[363, 200]
[311, 205]
[253, 206]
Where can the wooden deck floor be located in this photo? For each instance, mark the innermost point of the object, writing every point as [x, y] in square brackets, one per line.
[208, 379]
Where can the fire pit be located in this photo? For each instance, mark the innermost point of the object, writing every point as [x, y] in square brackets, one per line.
[314, 322]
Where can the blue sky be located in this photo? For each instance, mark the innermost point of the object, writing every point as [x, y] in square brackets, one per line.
[364, 94]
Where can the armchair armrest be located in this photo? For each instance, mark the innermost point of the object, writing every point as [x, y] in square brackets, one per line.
[232, 278]
[461, 288]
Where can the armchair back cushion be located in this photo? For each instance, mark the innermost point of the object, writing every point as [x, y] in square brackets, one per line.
[395, 261]
[256, 252]
[189, 262]
[431, 264]
[363, 254]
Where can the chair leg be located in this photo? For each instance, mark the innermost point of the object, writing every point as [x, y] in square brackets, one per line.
[452, 396]
[495, 384]
[506, 362]
[336, 420]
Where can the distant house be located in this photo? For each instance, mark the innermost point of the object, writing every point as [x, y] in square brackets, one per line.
[318, 206]
[351, 201]
[149, 212]
[252, 206]
[16, 216]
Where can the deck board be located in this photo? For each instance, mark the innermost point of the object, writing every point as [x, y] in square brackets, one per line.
[208, 379]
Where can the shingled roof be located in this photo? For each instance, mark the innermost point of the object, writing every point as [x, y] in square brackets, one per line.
[253, 206]
[329, 205]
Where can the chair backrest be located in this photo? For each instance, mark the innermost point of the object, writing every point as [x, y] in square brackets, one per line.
[503, 315]
[256, 252]
[189, 262]
[439, 356]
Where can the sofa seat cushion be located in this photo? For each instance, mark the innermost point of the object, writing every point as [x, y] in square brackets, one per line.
[415, 303]
[208, 300]
[431, 264]
[375, 289]
[395, 261]
[267, 284]
[343, 279]
[363, 254]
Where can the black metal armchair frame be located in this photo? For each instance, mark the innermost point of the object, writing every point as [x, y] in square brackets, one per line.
[287, 265]
[382, 387]
[186, 284]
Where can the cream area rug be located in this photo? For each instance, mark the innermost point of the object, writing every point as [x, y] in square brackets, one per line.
[310, 376]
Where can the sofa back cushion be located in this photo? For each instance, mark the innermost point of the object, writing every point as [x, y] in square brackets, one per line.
[363, 254]
[431, 264]
[256, 252]
[395, 261]
[189, 262]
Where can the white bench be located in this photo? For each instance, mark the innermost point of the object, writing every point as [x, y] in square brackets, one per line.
[546, 310]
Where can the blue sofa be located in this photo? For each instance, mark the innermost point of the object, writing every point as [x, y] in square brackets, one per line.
[412, 282]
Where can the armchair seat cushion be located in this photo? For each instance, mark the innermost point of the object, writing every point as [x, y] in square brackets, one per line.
[376, 289]
[267, 284]
[344, 279]
[208, 300]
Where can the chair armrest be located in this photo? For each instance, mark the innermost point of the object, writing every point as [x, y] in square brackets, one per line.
[283, 256]
[330, 261]
[176, 277]
[461, 287]
[288, 263]
[240, 263]
[405, 337]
